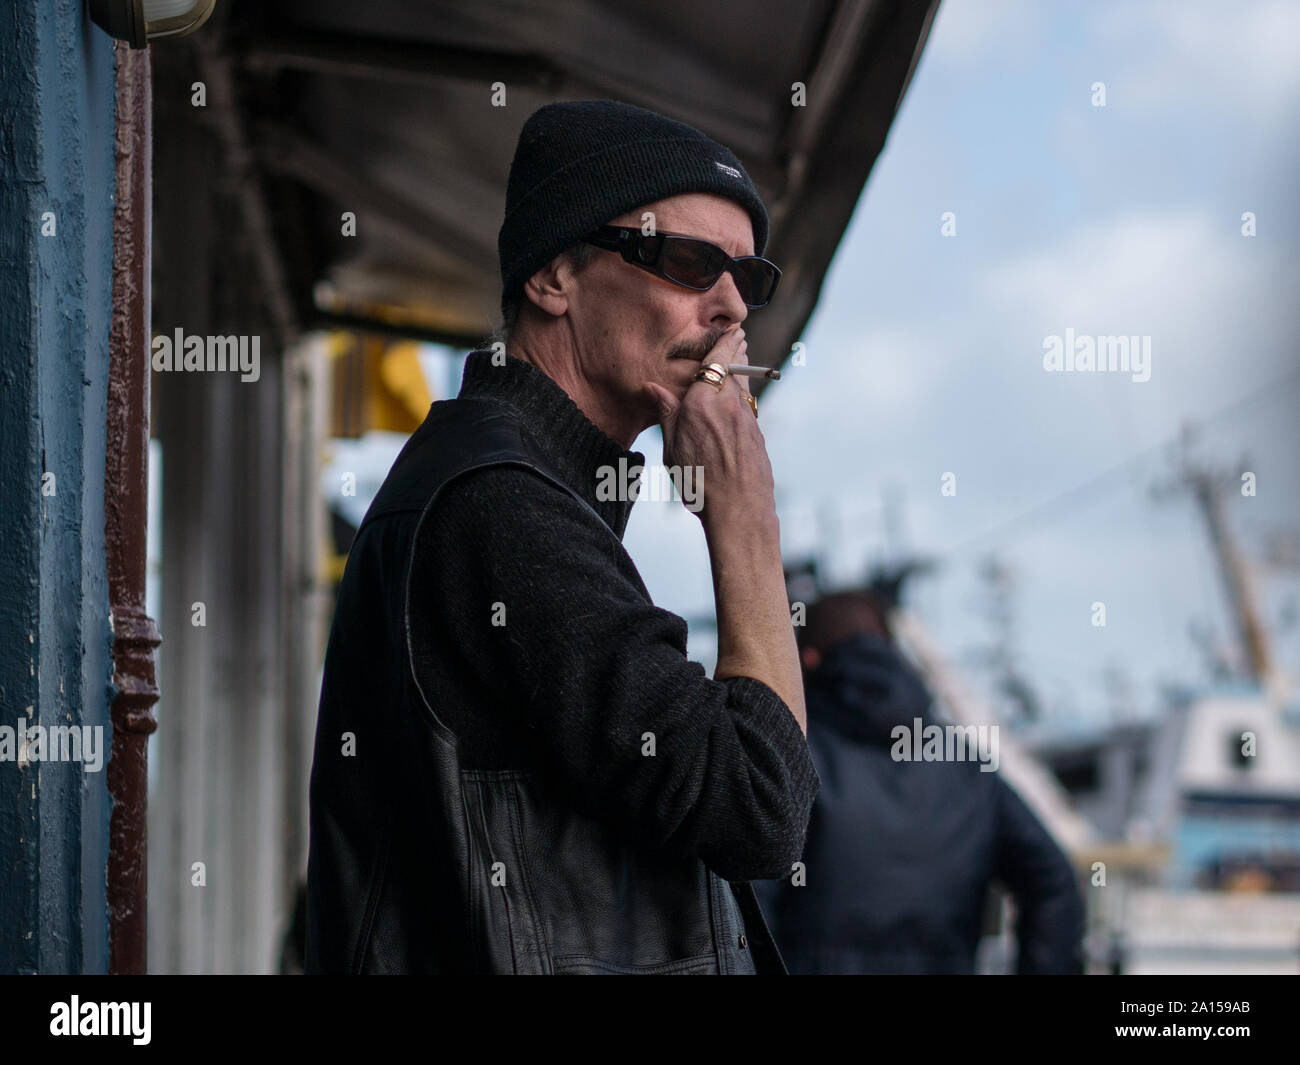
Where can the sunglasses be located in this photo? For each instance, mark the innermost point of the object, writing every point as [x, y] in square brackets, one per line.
[690, 262]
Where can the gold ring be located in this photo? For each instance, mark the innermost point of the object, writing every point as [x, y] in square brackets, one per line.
[753, 403]
[715, 373]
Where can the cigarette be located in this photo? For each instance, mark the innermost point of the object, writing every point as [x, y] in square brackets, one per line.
[746, 370]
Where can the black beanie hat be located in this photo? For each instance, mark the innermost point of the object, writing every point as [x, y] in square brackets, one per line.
[578, 165]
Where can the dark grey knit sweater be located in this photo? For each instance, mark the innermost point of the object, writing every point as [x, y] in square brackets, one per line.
[586, 672]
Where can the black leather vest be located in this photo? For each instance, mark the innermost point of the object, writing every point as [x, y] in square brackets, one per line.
[420, 865]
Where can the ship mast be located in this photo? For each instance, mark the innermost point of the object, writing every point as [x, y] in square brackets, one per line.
[1206, 487]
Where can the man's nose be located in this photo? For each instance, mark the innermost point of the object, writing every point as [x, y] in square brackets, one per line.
[728, 307]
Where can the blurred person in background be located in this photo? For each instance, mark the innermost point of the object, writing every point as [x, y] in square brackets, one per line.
[900, 854]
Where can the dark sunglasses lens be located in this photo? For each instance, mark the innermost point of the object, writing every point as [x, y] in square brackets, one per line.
[694, 263]
[698, 264]
[755, 281]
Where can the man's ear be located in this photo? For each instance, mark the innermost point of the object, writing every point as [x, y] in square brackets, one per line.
[549, 287]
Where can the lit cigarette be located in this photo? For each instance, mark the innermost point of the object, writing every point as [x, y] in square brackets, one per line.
[746, 370]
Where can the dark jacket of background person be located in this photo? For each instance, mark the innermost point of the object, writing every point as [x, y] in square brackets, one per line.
[502, 673]
[900, 854]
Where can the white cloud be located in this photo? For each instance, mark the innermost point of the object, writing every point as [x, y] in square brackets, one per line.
[1113, 264]
[1196, 56]
[1186, 278]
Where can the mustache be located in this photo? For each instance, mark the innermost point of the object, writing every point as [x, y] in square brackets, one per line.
[697, 349]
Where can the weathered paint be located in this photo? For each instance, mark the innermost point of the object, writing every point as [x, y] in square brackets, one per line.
[56, 154]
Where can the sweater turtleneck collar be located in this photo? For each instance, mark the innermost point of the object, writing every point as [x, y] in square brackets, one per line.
[576, 445]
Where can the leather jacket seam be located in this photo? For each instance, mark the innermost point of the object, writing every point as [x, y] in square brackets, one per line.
[491, 858]
[526, 884]
[377, 879]
[716, 922]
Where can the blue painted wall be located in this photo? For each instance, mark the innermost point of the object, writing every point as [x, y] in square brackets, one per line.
[56, 154]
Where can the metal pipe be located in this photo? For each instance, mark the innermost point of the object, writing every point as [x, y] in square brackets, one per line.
[126, 497]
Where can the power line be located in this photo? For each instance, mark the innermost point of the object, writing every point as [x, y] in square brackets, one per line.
[1271, 389]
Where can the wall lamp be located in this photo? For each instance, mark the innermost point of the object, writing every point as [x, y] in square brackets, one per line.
[141, 21]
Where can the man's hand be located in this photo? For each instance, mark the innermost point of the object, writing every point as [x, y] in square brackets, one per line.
[717, 431]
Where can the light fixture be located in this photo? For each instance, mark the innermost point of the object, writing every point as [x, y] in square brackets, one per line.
[141, 21]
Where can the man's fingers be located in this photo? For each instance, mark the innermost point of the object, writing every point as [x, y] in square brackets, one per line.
[742, 348]
[732, 348]
[739, 354]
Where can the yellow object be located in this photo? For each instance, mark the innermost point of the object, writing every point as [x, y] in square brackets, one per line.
[378, 384]
[334, 565]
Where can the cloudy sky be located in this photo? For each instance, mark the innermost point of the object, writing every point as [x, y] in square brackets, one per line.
[925, 355]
